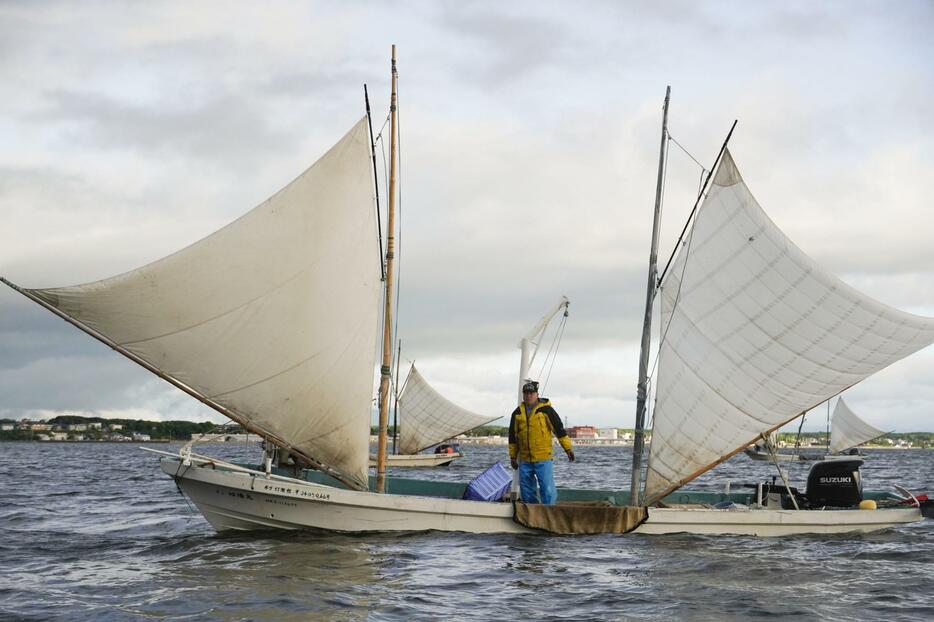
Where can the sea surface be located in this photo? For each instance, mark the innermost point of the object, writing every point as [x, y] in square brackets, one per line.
[95, 531]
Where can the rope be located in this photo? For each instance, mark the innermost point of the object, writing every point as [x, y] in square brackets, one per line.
[798, 438]
[772, 453]
[663, 333]
[398, 249]
[557, 343]
[672, 139]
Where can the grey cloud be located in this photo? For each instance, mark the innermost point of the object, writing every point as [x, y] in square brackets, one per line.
[527, 119]
[226, 126]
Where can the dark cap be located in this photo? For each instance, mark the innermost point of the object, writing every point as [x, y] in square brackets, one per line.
[530, 386]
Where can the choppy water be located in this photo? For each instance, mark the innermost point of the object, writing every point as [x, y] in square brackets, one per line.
[96, 532]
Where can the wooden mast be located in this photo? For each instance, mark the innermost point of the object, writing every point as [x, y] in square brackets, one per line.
[642, 390]
[385, 368]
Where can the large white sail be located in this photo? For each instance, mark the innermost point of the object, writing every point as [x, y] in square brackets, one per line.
[847, 430]
[755, 333]
[426, 417]
[273, 317]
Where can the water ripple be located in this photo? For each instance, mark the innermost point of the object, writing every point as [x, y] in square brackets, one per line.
[99, 534]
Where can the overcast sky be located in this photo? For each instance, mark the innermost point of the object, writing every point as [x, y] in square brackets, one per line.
[529, 145]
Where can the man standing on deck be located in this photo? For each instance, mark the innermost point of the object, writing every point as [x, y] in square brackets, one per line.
[530, 429]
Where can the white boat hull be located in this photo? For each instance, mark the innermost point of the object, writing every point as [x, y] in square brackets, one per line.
[240, 500]
[761, 456]
[418, 460]
[772, 523]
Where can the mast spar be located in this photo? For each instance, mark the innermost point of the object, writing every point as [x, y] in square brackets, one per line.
[385, 368]
[642, 390]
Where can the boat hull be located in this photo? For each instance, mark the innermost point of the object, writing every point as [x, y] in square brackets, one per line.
[418, 460]
[774, 523]
[232, 500]
[241, 500]
[763, 456]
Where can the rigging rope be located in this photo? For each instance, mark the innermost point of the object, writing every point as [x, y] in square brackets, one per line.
[398, 257]
[555, 344]
[672, 139]
[798, 438]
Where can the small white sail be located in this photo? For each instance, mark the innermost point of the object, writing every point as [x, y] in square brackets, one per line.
[426, 417]
[754, 333]
[847, 430]
[274, 316]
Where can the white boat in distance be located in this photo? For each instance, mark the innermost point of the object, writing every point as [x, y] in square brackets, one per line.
[847, 432]
[414, 461]
[428, 419]
[272, 321]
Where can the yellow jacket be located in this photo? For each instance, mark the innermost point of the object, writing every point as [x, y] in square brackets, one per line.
[530, 433]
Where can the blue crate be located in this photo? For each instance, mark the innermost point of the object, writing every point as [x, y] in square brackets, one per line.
[491, 485]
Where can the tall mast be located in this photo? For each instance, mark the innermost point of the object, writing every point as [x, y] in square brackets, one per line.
[385, 368]
[395, 401]
[642, 390]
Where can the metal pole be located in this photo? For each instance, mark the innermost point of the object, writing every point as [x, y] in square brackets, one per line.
[385, 368]
[642, 387]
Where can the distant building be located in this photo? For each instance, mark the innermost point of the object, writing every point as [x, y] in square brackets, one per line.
[115, 426]
[59, 436]
[141, 437]
[77, 427]
[582, 431]
[610, 433]
[6, 427]
[94, 425]
[41, 427]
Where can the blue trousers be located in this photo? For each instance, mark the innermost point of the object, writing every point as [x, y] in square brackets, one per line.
[535, 477]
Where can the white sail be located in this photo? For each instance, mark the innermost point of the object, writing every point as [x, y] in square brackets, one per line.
[426, 417]
[847, 430]
[273, 317]
[754, 333]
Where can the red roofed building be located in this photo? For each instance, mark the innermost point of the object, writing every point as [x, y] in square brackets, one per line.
[582, 431]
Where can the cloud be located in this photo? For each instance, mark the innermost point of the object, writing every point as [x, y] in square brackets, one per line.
[529, 150]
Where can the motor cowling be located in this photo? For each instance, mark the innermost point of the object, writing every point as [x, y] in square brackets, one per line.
[835, 483]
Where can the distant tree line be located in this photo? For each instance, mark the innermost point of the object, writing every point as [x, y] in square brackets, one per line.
[173, 430]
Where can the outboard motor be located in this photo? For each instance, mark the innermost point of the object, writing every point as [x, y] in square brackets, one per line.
[835, 483]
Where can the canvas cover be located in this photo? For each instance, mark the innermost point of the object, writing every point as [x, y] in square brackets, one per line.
[274, 316]
[754, 333]
[580, 517]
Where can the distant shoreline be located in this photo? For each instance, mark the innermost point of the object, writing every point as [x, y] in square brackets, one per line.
[94, 442]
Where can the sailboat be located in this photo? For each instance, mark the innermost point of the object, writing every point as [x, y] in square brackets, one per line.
[272, 321]
[427, 419]
[847, 432]
[761, 453]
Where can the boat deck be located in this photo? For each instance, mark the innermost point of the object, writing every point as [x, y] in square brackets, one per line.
[455, 490]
